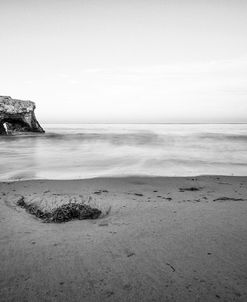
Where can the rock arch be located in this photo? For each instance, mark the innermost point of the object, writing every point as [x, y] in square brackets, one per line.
[17, 116]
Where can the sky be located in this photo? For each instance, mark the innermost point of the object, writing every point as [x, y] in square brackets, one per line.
[126, 61]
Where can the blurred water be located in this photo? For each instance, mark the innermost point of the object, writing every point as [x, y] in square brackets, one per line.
[85, 151]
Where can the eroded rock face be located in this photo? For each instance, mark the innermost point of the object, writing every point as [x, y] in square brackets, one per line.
[17, 116]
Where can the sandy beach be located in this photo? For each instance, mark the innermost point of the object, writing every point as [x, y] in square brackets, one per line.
[165, 239]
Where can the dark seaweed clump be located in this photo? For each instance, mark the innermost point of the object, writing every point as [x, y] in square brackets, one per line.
[228, 199]
[189, 189]
[63, 213]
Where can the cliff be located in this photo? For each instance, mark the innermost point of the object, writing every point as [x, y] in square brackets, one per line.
[17, 116]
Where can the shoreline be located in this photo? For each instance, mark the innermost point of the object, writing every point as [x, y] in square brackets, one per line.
[165, 239]
[120, 177]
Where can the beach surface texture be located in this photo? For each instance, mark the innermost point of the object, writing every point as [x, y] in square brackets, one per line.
[159, 239]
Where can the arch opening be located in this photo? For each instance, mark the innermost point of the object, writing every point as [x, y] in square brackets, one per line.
[15, 126]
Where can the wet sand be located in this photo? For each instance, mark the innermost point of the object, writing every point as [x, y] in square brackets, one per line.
[165, 239]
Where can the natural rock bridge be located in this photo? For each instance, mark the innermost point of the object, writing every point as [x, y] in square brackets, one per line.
[17, 116]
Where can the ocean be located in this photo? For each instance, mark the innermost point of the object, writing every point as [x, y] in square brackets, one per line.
[73, 151]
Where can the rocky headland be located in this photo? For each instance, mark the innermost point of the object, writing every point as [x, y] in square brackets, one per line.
[17, 116]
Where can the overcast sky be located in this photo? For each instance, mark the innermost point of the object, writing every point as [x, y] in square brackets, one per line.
[126, 60]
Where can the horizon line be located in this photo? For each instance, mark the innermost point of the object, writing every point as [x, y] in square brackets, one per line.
[183, 123]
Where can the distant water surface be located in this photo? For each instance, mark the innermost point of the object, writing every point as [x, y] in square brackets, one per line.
[88, 150]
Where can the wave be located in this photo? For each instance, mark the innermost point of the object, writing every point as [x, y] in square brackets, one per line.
[221, 136]
[112, 138]
[192, 162]
[139, 137]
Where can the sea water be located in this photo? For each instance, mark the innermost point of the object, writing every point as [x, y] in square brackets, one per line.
[96, 150]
